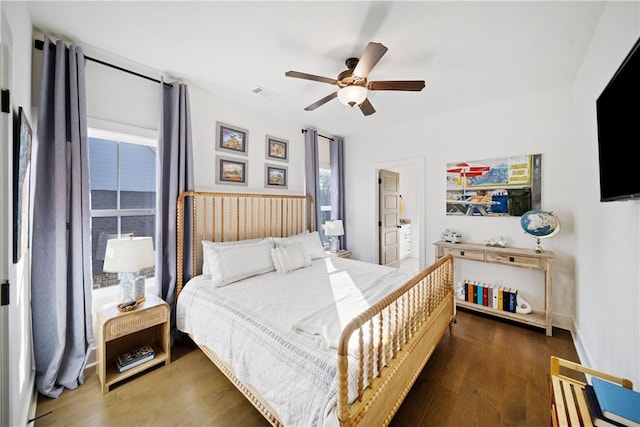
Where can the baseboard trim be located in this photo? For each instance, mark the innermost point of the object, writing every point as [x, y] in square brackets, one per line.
[33, 405]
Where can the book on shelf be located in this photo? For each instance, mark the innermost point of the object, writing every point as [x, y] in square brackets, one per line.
[513, 300]
[598, 419]
[134, 358]
[618, 403]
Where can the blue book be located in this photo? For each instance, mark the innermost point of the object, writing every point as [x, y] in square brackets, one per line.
[597, 417]
[617, 403]
[513, 295]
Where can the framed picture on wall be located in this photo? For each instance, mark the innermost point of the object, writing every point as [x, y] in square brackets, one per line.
[21, 184]
[275, 176]
[277, 149]
[232, 139]
[502, 186]
[231, 171]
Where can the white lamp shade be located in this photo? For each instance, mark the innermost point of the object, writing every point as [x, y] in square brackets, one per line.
[334, 228]
[352, 95]
[129, 254]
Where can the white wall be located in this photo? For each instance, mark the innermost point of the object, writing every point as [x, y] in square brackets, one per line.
[206, 109]
[607, 235]
[596, 279]
[538, 123]
[21, 369]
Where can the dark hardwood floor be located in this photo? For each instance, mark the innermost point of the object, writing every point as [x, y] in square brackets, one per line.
[490, 372]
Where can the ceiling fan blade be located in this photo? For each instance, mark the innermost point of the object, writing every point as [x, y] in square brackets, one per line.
[313, 77]
[369, 58]
[322, 101]
[413, 85]
[366, 107]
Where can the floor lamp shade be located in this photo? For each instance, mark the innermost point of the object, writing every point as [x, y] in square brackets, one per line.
[128, 256]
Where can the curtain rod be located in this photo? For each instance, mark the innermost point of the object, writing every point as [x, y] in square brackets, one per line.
[39, 44]
[325, 137]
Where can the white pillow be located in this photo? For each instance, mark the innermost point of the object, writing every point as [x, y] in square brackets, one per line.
[311, 242]
[289, 258]
[206, 270]
[230, 263]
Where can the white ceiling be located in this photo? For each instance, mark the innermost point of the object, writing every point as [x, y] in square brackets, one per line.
[469, 53]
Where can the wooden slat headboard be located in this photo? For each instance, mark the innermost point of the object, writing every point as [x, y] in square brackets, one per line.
[223, 217]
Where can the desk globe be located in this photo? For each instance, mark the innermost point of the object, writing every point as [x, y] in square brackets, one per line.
[540, 224]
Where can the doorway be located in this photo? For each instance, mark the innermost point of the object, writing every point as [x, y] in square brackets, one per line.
[411, 212]
[389, 217]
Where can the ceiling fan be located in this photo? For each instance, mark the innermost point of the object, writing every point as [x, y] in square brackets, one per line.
[352, 82]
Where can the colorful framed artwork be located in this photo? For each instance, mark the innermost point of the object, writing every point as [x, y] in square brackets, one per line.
[503, 186]
[21, 185]
[277, 149]
[231, 171]
[275, 176]
[232, 139]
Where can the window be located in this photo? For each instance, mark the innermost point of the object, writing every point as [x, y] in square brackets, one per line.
[324, 176]
[122, 169]
[325, 195]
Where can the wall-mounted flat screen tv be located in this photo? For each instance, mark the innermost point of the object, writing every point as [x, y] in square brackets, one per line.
[618, 115]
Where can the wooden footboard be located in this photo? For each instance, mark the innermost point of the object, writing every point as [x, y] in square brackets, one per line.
[414, 318]
[398, 333]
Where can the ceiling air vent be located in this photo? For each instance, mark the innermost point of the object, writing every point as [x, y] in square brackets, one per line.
[264, 92]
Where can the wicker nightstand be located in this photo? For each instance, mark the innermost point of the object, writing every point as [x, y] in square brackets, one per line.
[120, 332]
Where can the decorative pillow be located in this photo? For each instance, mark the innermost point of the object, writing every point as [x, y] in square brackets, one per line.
[311, 242]
[289, 258]
[230, 263]
[206, 271]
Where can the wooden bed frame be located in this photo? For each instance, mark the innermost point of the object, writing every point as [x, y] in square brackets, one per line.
[413, 318]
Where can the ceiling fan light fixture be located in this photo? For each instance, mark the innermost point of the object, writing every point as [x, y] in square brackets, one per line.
[352, 95]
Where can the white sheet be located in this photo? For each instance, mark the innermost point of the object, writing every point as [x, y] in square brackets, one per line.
[326, 324]
[249, 326]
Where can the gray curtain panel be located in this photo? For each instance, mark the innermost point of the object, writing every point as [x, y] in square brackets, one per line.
[61, 252]
[336, 153]
[311, 172]
[174, 175]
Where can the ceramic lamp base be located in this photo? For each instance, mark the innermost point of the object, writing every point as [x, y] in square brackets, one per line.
[131, 287]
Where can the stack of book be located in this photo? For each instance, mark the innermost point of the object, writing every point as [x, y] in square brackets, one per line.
[134, 358]
[496, 297]
[611, 404]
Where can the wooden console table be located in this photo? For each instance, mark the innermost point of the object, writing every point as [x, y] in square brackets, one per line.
[515, 257]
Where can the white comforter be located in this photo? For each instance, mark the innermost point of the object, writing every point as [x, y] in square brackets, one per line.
[278, 331]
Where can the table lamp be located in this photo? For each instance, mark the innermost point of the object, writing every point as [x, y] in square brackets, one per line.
[334, 230]
[128, 256]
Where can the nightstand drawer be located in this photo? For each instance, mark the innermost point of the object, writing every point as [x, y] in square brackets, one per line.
[517, 260]
[463, 253]
[135, 321]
